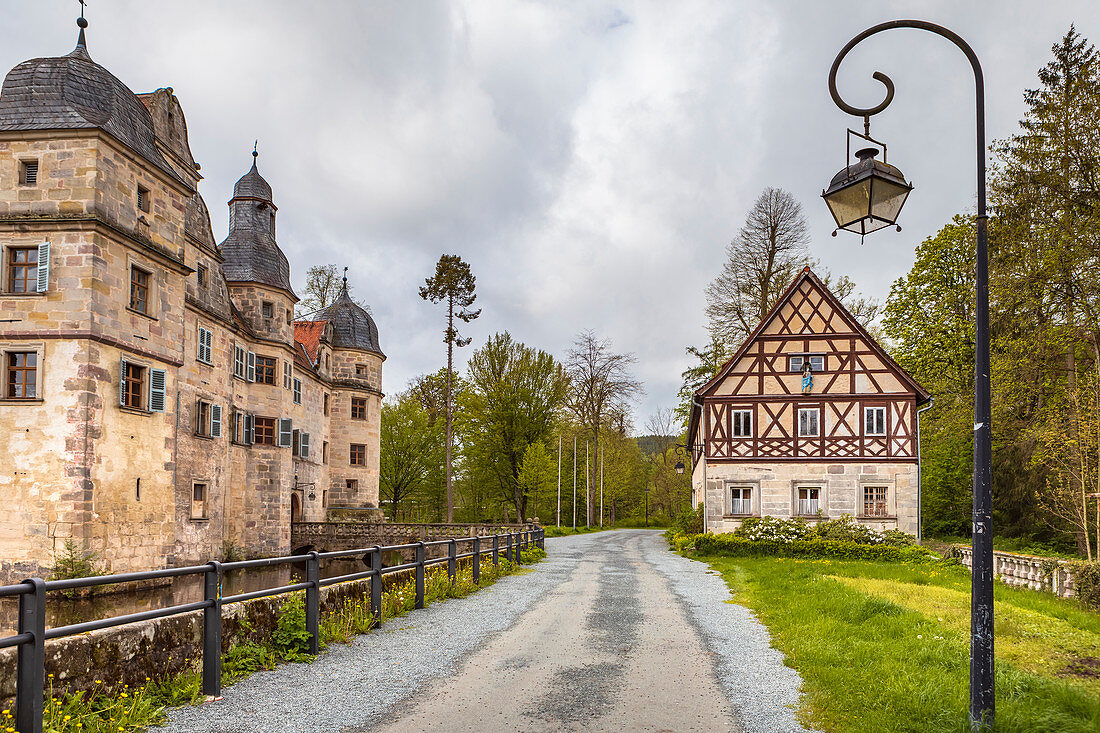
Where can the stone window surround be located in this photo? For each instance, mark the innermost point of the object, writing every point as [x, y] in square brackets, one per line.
[204, 517]
[753, 486]
[7, 264]
[822, 497]
[38, 348]
[23, 166]
[151, 289]
[146, 370]
[891, 499]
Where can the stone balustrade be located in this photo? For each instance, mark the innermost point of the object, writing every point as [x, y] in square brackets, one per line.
[1027, 571]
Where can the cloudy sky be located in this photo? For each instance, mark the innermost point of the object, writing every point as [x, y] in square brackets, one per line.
[589, 159]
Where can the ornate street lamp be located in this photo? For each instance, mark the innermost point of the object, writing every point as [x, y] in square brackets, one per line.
[868, 195]
[847, 200]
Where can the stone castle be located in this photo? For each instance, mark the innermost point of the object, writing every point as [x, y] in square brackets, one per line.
[160, 402]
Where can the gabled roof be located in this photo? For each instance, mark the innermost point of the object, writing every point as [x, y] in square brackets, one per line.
[806, 274]
[307, 334]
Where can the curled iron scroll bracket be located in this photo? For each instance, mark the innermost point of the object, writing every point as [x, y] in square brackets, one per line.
[867, 112]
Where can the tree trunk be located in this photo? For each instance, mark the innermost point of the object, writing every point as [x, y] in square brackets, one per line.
[450, 362]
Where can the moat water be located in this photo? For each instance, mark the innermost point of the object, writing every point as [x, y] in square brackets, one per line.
[118, 600]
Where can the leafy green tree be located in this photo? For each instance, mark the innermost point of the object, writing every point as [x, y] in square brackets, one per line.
[512, 399]
[537, 475]
[411, 455]
[452, 283]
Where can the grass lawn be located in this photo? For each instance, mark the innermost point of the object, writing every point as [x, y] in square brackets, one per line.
[885, 646]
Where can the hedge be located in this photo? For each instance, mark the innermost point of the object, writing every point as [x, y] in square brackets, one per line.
[732, 546]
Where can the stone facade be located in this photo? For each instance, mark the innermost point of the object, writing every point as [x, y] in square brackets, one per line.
[107, 200]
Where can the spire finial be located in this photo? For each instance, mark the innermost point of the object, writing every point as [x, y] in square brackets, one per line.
[255, 152]
[345, 279]
[82, 23]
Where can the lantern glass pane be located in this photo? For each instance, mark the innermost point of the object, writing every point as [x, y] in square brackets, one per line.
[888, 198]
[851, 203]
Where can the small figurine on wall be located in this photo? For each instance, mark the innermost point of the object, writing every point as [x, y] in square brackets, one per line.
[807, 377]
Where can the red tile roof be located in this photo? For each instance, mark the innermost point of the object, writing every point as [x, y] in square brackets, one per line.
[308, 335]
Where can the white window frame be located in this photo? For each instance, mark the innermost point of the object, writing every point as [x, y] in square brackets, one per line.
[740, 489]
[796, 362]
[239, 361]
[297, 391]
[286, 374]
[733, 423]
[797, 506]
[817, 422]
[867, 412]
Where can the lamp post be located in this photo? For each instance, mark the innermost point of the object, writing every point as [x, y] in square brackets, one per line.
[847, 193]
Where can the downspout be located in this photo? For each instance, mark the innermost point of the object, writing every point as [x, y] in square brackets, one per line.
[931, 401]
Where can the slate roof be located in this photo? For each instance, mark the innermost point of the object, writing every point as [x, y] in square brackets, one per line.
[353, 327]
[252, 185]
[73, 92]
[250, 251]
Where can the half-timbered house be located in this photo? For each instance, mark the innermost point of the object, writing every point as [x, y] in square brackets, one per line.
[811, 418]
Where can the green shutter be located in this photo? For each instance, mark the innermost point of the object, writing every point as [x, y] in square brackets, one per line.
[157, 379]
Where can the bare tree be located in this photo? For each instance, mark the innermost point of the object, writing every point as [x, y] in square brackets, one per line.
[323, 286]
[601, 390]
[770, 248]
[664, 425]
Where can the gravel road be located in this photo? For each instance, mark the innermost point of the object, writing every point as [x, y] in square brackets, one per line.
[612, 632]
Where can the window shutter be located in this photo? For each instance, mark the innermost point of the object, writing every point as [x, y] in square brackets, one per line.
[297, 391]
[285, 429]
[249, 429]
[43, 266]
[122, 381]
[205, 344]
[304, 449]
[251, 367]
[215, 421]
[156, 390]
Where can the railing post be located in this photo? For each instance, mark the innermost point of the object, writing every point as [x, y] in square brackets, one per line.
[376, 585]
[452, 560]
[420, 575]
[542, 538]
[212, 631]
[508, 547]
[496, 549]
[477, 560]
[31, 669]
[313, 601]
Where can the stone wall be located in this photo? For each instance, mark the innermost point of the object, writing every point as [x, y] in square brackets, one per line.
[774, 491]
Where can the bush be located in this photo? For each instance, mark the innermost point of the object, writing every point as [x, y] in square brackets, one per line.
[731, 545]
[773, 529]
[897, 538]
[846, 529]
[290, 638]
[689, 521]
[1086, 582]
[73, 562]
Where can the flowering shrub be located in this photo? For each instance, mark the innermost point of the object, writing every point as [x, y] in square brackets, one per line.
[774, 529]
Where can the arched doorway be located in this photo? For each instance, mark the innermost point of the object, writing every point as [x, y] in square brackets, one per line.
[295, 508]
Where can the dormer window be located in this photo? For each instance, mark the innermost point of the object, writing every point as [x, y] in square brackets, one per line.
[143, 198]
[28, 173]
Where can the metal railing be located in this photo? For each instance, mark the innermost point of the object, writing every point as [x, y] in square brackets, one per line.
[32, 633]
